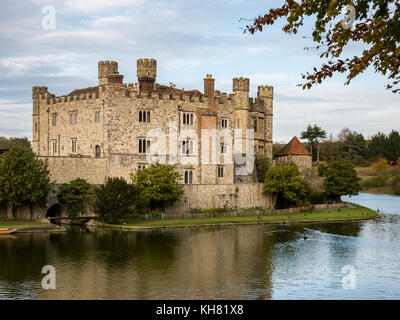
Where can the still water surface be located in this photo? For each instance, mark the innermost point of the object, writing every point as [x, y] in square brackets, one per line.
[242, 262]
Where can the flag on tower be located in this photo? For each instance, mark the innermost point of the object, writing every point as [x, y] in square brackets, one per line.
[172, 85]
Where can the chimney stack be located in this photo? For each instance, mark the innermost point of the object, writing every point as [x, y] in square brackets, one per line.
[209, 91]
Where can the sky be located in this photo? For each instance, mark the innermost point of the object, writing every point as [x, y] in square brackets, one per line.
[189, 39]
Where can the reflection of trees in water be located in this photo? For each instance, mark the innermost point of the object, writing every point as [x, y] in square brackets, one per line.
[22, 258]
[117, 248]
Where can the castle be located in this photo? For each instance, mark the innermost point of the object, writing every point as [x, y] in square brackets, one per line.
[108, 130]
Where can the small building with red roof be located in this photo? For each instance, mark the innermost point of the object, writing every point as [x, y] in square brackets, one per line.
[295, 152]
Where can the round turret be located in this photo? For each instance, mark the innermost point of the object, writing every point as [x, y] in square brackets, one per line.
[106, 68]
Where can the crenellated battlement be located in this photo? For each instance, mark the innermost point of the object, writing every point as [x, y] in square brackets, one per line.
[241, 84]
[106, 68]
[38, 90]
[147, 68]
[265, 92]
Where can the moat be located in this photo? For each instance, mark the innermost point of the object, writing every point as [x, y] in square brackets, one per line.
[241, 262]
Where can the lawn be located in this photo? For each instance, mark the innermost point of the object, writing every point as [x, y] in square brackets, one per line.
[326, 215]
[20, 225]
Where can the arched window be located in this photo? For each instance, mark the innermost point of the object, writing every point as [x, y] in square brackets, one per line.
[97, 151]
[140, 116]
[144, 116]
[148, 116]
[188, 176]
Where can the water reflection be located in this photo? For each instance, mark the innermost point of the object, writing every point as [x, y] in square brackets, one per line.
[242, 262]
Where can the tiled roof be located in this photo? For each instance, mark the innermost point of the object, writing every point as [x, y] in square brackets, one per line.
[85, 90]
[165, 89]
[294, 148]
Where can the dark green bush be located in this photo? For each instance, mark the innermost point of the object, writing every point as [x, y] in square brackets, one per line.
[114, 200]
[75, 196]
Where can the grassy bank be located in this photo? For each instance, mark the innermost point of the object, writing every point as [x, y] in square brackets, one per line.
[320, 216]
[23, 226]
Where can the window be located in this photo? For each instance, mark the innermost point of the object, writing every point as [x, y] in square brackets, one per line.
[144, 145]
[141, 166]
[73, 117]
[53, 146]
[224, 123]
[187, 147]
[188, 176]
[97, 116]
[54, 119]
[144, 116]
[97, 151]
[188, 118]
[73, 145]
[261, 124]
[36, 127]
[224, 148]
[220, 171]
[255, 124]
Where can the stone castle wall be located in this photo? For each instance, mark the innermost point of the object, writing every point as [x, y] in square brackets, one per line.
[104, 122]
[223, 196]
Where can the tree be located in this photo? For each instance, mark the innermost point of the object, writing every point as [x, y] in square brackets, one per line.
[353, 144]
[376, 26]
[286, 185]
[24, 179]
[393, 147]
[309, 136]
[74, 196]
[340, 179]
[314, 135]
[114, 200]
[158, 185]
[7, 143]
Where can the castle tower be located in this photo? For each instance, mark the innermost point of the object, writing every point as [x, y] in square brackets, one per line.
[36, 92]
[241, 99]
[106, 68]
[266, 94]
[147, 74]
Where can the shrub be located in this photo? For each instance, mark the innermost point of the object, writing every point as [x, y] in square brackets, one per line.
[396, 185]
[114, 200]
[74, 196]
[381, 165]
[317, 197]
[195, 210]
[376, 182]
[155, 214]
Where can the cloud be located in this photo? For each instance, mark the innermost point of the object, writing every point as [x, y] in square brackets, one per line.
[189, 38]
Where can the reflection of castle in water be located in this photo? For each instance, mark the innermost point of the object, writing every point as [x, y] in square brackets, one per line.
[184, 264]
[215, 263]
